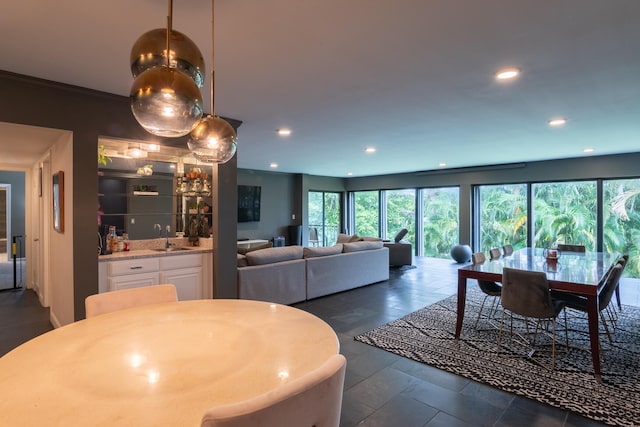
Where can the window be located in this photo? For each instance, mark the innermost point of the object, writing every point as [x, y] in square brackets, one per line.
[621, 211]
[440, 221]
[565, 212]
[400, 212]
[324, 214]
[366, 213]
[503, 216]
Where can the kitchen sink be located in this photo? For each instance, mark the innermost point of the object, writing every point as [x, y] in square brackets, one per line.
[172, 249]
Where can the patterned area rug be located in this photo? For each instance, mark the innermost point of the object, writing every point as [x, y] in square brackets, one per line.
[427, 336]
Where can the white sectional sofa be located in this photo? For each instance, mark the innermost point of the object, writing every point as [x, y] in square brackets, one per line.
[291, 274]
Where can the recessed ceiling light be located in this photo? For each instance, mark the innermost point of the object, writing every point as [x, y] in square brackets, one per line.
[558, 121]
[273, 165]
[349, 173]
[442, 164]
[507, 74]
[284, 132]
[370, 150]
[588, 150]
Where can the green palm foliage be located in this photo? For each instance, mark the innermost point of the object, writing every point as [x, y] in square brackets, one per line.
[440, 221]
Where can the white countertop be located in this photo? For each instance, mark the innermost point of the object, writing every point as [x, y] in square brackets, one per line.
[160, 365]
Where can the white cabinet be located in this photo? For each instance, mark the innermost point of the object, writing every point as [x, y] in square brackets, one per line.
[184, 271]
[132, 273]
[188, 282]
[191, 273]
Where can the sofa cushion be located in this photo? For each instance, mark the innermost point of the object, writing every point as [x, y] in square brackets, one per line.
[322, 251]
[370, 239]
[245, 251]
[346, 238]
[242, 261]
[361, 246]
[272, 255]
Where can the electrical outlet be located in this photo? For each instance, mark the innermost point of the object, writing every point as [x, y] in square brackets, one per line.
[293, 216]
[133, 220]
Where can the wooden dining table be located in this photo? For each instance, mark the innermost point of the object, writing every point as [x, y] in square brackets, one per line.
[580, 273]
[159, 365]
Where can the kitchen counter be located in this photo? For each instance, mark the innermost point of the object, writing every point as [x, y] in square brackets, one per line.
[154, 248]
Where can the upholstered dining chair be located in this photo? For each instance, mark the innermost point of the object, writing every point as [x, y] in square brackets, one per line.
[314, 399]
[624, 259]
[507, 250]
[562, 247]
[313, 236]
[579, 303]
[489, 288]
[526, 294]
[494, 253]
[127, 298]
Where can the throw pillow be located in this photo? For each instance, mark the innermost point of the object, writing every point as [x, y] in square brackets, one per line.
[313, 252]
[361, 246]
[400, 235]
[272, 255]
[242, 261]
[343, 238]
[244, 251]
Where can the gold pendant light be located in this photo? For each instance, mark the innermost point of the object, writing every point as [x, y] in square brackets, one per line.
[213, 140]
[165, 98]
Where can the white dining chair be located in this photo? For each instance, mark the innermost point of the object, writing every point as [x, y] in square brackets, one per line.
[127, 298]
[315, 399]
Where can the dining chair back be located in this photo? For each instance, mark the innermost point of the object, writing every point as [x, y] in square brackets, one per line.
[609, 288]
[507, 250]
[622, 261]
[127, 298]
[489, 288]
[314, 399]
[526, 293]
[494, 253]
[313, 236]
[478, 258]
[571, 248]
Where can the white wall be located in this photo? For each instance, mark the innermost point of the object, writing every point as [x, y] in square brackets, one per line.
[61, 244]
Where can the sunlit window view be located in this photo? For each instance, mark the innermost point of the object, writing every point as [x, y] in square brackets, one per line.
[621, 211]
[367, 213]
[400, 212]
[440, 221]
[503, 216]
[324, 217]
[565, 212]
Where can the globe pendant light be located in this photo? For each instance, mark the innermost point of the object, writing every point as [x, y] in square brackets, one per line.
[213, 140]
[150, 51]
[164, 100]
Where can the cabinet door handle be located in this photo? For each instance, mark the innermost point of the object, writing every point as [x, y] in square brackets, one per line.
[136, 267]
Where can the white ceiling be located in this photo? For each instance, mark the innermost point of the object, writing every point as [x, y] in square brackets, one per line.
[413, 78]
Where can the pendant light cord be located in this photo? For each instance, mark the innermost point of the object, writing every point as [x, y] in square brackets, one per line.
[213, 71]
[169, 25]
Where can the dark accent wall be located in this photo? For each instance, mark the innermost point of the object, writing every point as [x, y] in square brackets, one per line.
[277, 204]
[90, 114]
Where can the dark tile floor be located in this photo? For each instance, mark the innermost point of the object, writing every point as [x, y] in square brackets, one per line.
[381, 389]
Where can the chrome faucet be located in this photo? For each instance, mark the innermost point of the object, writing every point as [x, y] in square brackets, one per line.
[167, 245]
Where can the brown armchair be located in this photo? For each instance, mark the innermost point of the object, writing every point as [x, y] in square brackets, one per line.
[400, 251]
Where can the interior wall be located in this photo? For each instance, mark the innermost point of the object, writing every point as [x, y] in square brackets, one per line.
[276, 204]
[88, 114]
[61, 244]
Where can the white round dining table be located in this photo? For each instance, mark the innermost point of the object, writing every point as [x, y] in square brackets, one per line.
[159, 365]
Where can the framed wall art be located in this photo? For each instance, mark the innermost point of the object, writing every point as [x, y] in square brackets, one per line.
[58, 201]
